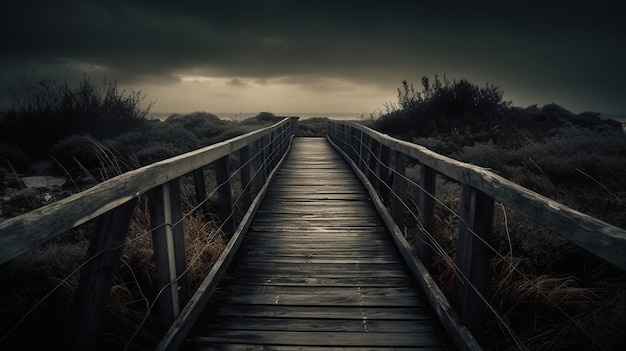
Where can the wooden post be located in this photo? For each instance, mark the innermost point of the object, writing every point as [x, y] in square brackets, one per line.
[104, 253]
[355, 145]
[225, 193]
[361, 151]
[259, 161]
[426, 203]
[270, 159]
[200, 185]
[473, 257]
[373, 162]
[246, 184]
[383, 173]
[293, 124]
[399, 189]
[168, 240]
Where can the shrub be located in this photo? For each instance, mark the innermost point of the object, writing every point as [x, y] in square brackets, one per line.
[313, 127]
[15, 155]
[45, 111]
[154, 142]
[444, 107]
[75, 149]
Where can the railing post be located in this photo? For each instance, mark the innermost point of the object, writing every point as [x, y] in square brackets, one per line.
[473, 257]
[96, 279]
[293, 124]
[259, 164]
[399, 189]
[426, 203]
[383, 172]
[200, 186]
[168, 238]
[272, 148]
[225, 193]
[355, 145]
[246, 184]
[361, 150]
[373, 162]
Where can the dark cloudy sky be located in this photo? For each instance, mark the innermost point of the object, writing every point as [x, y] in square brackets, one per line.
[321, 56]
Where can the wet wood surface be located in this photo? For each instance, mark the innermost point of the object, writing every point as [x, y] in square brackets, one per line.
[317, 270]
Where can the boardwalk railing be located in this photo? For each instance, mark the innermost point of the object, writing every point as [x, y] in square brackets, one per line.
[381, 162]
[111, 204]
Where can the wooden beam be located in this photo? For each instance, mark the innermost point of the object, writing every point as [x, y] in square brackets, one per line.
[472, 258]
[399, 189]
[225, 193]
[168, 239]
[426, 203]
[103, 260]
[246, 184]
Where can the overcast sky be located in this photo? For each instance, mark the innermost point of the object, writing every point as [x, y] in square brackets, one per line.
[321, 56]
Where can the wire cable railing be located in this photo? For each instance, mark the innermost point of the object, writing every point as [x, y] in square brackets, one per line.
[376, 157]
[269, 144]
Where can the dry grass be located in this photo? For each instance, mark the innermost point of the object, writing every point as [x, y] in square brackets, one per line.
[550, 294]
[30, 277]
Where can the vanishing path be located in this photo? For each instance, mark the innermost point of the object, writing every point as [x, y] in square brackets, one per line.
[317, 269]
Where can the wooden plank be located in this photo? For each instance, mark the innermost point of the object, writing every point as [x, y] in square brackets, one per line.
[426, 203]
[473, 256]
[248, 347]
[405, 313]
[339, 299]
[426, 339]
[104, 254]
[390, 292]
[316, 325]
[225, 193]
[168, 240]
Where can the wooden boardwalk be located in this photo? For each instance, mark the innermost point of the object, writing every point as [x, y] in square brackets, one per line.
[317, 270]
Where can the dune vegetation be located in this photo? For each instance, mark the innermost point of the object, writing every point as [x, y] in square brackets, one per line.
[550, 293]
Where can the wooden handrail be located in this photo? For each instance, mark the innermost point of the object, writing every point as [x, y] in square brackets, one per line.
[112, 203]
[25, 232]
[480, 189]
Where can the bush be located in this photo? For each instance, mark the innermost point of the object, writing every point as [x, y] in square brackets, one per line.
[313, 127]
[45, 111]
[154, 142]
[444, 107]
[13, 154]
[75, 149]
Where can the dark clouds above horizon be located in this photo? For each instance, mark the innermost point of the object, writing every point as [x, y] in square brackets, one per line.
[322, 56]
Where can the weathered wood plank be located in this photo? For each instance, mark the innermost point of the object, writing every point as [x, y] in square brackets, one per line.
[326, 312]
[316, 325]
[265, 347]
[427, 339]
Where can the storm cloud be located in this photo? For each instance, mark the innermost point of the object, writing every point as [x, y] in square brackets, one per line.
[537, 52]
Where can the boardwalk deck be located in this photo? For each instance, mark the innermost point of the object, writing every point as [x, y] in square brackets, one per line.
[317, 270]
